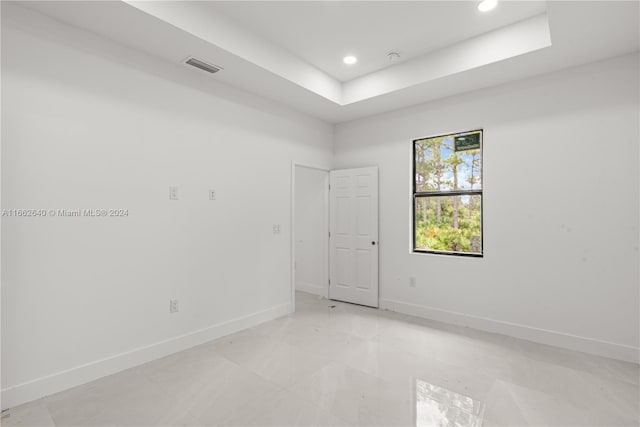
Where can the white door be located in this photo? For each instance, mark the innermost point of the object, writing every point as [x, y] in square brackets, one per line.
[354, 236]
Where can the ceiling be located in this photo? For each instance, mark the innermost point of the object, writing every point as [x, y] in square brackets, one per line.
[322, 33]
[291, 52]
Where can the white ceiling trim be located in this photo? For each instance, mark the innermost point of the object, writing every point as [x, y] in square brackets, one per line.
[203, 22]
[581, 32]
[498, 45]
[197, 19]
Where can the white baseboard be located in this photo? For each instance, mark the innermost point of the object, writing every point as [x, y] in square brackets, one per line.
[312, 288]
[543, 336]
[44, 386]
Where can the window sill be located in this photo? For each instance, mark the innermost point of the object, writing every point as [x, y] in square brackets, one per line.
[445, 253]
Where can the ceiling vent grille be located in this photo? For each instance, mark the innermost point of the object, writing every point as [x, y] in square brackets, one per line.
[209, 68]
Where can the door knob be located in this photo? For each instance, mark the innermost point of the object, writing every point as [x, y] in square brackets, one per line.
[373, 243]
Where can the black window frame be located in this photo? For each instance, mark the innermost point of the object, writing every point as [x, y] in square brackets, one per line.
[443, 193]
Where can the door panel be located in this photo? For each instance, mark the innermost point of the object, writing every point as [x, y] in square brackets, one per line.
[354, 236]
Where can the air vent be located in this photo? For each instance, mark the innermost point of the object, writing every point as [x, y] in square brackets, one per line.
[210, 68]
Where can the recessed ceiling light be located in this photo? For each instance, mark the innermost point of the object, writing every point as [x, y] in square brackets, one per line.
[350, 60]
[487, 5]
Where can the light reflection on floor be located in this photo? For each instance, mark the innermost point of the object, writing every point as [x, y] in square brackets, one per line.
[437, 406]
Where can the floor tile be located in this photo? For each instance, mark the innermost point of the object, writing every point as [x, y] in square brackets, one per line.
[438, 406]
[282, 408]
[509, 403]
[123, 399]
[273, 360]
[356, 397]
[31, 414]
[207, 386]
[331, 363]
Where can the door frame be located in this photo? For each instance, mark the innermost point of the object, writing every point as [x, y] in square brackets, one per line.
[294, 165]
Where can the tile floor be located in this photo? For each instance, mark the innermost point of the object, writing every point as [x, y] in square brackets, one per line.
[351, 365]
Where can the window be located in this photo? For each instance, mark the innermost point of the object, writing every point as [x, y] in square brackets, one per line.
[447, 194]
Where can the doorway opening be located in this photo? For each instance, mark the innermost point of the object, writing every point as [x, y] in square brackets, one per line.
[334, 236]
[310, 236]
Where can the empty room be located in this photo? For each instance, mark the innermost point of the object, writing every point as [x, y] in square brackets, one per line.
[320, 213]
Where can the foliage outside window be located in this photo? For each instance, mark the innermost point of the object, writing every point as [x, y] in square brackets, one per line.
[447, 194]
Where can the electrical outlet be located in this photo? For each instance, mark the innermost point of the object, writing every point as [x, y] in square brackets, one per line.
[173, 193]
[173, 306]
[276, 228]
[212, 194]
[412, 282]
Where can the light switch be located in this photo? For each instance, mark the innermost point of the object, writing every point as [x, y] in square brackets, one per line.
[173, 306]
[173, 193]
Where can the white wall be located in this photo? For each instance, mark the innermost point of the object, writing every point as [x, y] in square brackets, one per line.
[311, 230]
[560, 208]
[90, 124]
